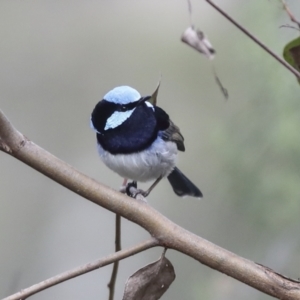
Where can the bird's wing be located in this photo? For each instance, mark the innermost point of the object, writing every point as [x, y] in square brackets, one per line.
[172, 133]
[168, 130]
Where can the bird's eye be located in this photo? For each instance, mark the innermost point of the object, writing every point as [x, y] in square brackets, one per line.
[123, 108]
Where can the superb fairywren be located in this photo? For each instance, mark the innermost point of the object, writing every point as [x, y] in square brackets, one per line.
[139, 141]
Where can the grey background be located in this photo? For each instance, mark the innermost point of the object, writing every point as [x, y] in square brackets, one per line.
[58, 58]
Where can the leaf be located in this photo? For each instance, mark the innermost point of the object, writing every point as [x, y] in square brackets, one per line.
[153, 99]
[151, 281]
[291, 54]
[197, 40]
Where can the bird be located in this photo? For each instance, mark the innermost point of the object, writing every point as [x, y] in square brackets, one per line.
[138, 141]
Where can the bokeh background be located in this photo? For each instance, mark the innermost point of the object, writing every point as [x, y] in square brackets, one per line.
[58, 58]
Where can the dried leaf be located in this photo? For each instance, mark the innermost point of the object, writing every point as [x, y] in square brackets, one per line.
[151, 281]
[153, 99]
[197, 40]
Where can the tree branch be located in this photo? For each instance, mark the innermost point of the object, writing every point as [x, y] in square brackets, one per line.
[256, 40]
[112, 282]
[168, 234]
[152, 242]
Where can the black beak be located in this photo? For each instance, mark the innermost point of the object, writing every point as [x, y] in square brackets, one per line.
[143, 99]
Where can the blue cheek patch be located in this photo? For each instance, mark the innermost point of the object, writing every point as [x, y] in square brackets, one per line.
[117, 118]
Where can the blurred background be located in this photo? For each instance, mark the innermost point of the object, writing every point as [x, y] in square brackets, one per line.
[58, 58]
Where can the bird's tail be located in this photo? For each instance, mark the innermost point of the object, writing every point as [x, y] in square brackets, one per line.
[182, 186]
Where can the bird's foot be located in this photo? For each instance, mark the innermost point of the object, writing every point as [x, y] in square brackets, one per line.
[131, 188]
[133, 192]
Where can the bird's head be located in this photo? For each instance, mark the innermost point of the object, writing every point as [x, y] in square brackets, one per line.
[115, 108]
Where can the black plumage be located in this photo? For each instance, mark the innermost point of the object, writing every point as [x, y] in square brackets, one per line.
[137, 132]
[131, 127]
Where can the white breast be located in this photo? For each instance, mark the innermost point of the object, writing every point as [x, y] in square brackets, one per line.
[157, 160]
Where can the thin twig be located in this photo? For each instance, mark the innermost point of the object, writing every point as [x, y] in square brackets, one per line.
[223, 90]
[152, 242]
[190, 13]
[288, 11]
[251, 36]
[112, 282]
[289, 26]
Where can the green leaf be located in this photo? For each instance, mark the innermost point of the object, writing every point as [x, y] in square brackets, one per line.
[291, 54]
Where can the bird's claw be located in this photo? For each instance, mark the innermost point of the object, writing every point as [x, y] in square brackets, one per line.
[131, 187]
[133, 192]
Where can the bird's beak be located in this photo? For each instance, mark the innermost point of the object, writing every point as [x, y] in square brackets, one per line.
[143, 99]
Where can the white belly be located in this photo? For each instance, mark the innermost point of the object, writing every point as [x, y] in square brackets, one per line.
[157, 160]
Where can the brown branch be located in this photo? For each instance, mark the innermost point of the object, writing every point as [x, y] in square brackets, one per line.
[9, 136]
[152, 242]
[168, 234]
[256, 40]
[112, 282]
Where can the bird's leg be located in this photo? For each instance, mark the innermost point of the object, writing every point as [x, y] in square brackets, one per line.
[123, 187]
[146, 193]
[133, 191]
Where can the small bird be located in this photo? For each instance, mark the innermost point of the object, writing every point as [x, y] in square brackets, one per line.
[139, 141]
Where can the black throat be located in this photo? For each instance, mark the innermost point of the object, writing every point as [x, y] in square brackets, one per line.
[135, 134]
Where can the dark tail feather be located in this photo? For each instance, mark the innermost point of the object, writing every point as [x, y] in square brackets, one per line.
[182, 186]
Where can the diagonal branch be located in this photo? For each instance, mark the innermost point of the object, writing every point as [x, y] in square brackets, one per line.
[255, 39]
[169, 234]
[152, 242]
